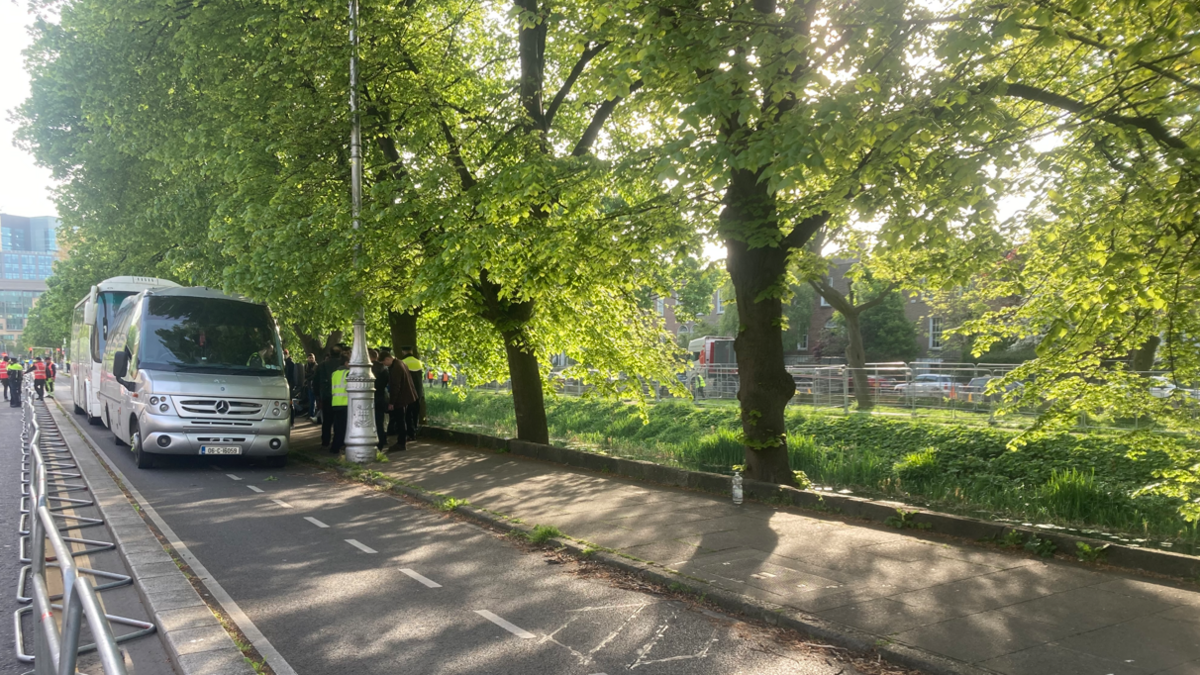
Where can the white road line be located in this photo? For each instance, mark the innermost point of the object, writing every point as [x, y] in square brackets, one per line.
[282, 503]
[361, 546]
[233, 476]
[512, 628]
[316, 522]
[243, 622]
[255, 488]
[425, 580]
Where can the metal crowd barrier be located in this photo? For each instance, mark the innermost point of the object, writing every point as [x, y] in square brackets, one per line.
[46, 472]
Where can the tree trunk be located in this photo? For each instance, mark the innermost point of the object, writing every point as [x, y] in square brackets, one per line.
[510, 320]
[528, 398]
[313, 345]
[765, 387]
[1142, 358]
[856, 359]
[404, 329]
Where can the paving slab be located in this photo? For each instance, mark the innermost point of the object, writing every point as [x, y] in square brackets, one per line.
[1000, 610]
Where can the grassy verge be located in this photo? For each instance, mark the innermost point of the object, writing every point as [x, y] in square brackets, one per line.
[1085, 481]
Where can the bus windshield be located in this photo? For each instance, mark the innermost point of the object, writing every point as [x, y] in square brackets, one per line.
[183, 333]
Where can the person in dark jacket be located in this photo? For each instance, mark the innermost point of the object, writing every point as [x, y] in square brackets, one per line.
[324, 388]
[310, 394]
[289, 372]
[380, 372]
[14, 383]
[412, 414]
[401, 395]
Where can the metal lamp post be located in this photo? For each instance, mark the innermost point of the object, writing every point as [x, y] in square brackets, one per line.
[360, 422]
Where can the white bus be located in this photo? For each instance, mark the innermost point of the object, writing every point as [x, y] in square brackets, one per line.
[93, 317]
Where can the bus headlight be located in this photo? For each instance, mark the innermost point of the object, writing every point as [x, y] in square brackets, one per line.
[159, 405]
[276, 410]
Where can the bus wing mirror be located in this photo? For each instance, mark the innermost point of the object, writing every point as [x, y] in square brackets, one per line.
[120, 364]
[89, 308]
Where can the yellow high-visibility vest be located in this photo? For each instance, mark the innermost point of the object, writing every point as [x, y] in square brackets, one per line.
[414, 364]
[339, 388]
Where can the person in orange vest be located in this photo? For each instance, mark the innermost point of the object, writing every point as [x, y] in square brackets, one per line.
[51, 373]
[4, 376]
[39, 377]
[445, 380]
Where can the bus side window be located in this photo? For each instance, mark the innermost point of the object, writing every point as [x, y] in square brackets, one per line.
[131, 345]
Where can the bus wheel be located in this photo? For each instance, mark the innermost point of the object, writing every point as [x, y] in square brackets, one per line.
[144, 460]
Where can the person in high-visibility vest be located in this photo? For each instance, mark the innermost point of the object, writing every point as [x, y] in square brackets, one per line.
[15, 371]
[4, 376]
[698, 386]
[51, 373]
[339, 403]
[413, 414]
[38, 368]
[445, 380]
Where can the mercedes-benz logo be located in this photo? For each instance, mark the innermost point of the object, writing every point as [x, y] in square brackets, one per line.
[222, 407]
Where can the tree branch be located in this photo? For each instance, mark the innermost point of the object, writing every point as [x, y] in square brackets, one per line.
[588, 54]
[601, 116]
[1150, 125]
[460, 166]
[805, 229]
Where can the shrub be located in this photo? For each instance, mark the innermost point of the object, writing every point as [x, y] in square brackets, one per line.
[917, 469]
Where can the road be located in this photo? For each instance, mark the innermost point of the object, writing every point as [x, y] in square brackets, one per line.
[341, 579]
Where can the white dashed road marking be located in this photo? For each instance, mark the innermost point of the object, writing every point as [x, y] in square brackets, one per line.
[316, 522]
[255, 488]
[425, 580]
[282, 503]
[233, 476]
[361, 546]
[512, 628]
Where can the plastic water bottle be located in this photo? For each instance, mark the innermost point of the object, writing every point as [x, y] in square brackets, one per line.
[737, 487]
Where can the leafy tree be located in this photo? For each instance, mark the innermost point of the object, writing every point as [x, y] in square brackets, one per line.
[887, 334]
[792, 147]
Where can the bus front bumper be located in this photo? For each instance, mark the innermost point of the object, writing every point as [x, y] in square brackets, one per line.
[169, 436]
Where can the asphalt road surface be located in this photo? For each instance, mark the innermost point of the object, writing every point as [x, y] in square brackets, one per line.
[341, 579]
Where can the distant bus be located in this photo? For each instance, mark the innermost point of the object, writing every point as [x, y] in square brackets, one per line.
[93, 317]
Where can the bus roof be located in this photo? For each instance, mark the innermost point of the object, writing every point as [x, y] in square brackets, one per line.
[199, 292]
[134, 284]
[128, 284]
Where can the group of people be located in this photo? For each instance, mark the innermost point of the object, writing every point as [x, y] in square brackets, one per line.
[12, 371]
[398, 396]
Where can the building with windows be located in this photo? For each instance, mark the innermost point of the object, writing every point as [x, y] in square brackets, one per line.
[28, 249]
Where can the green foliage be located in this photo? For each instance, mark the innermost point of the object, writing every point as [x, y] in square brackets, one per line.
[888, 335]
[451, 503]
[544, 533]
[1012, 539]
[1087, 553]
[917, 468]
[905, 520]
[802, 480]
[1043, 547]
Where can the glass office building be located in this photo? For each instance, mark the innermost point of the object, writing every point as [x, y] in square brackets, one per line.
[28, 249]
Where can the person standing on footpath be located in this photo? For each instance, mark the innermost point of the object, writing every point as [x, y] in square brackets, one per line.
[4, 376]
[324, 381]
[412, 413]
[51, 373]
[38, 368]
[403, 395]
[339, 402]
[15, 371]
[380, 371]
[310, 395]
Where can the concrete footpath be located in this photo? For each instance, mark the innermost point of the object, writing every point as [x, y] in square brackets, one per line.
[981, 609]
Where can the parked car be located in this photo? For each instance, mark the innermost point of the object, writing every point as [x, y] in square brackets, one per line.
[927, 385]
[1163, 387]
[975, 390]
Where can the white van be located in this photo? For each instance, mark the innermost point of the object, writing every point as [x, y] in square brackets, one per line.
[193, 371]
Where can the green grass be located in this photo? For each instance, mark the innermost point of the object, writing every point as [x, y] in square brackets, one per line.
[1088, 481]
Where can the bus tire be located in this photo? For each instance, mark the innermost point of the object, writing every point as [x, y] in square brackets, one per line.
[143, 459]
